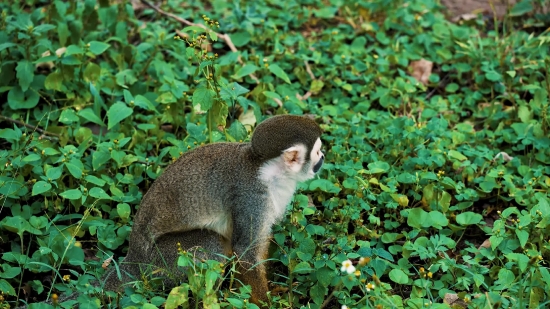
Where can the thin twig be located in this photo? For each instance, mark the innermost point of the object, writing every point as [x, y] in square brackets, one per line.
[308, 70]
[30, 126]
[222, 36]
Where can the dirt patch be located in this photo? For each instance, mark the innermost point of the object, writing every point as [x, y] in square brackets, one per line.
[459, 7]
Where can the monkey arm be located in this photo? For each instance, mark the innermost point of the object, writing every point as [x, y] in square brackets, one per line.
[250, 242]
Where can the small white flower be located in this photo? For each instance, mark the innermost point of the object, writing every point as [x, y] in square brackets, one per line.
[348, 267]
[370, 287]
[344, 307]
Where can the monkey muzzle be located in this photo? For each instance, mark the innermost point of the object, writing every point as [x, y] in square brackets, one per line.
[318, 165]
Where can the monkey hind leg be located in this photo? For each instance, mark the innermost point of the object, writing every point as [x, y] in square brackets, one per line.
[201, 244]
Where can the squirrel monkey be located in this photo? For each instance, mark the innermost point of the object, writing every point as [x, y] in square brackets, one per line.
[226, 197]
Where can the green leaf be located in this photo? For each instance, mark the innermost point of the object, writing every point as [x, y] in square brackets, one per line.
[523, 237]
[144, 103]
[203, 98]
[240, 38]
[521, 259]
[54, 81]
[126, 78]
[521, 8]
[98, 48]
[68, 116]
[32, 158]
[118, 112]
[9, 271]
[16, 224]
[437, 219]
[493, 76]
[99, 158]
[73, 50]
[123, 210]
[398, 276]
[19, 99]
[378, 167]
[6, 287]
[302, 267]
[275, 69]
[92, 72]
[178, 296]
[194, 29]
[457, 155]
[73, 194]
[245, 70]
[166, 97]
[99, 193]
[6, 45]
[324, 185]
[418, 218]
[90, 116]
[54, 172]
[40, 187]
[25, 74]
[74, 168]
[237, 131]
[43, 28]
[524, 114]
[468, 218]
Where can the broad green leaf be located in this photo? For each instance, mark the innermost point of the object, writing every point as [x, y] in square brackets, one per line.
[6, 45]
[7, 288]
[468, 218]
[98, 48]
[75, 168]
[521, 259]
[99, 193]
[40, 187]
[126, 78]
[16, 224]
[19, 99]
[522, 7]
[123, 210]
[73, 50]
[398, 276]
[73, 194]
[523, 236]
[90, 116]
[144, 103]
[237, 131]
[324, 185]
[9, 272]
[118, 112]
[54, 81]
[245, 70]
[275, 69]
[418, 218]
[302, 267]
[378, 167]
[524, 113]
[194, 29]
[32, 158]
[203, 98]
[178, 296]
[99, 158]
[25, 74]
[92, 72]
[457, 155]
[68, 116]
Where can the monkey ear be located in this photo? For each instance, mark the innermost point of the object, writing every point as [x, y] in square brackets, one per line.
[293, 158]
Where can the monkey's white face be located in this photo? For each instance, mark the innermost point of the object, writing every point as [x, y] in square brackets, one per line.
[295, 164]
[300, 165]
